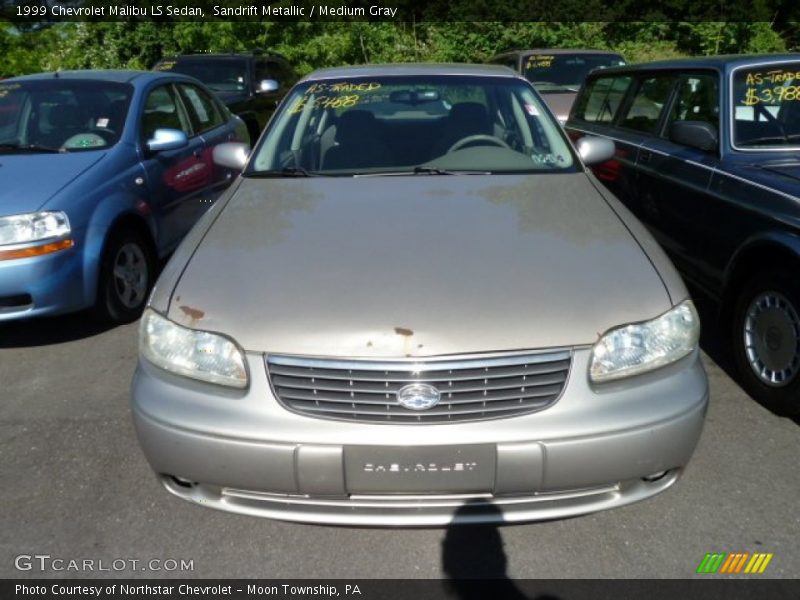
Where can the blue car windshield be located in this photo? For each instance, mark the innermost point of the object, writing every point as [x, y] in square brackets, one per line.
[61, 115]
[407, 124]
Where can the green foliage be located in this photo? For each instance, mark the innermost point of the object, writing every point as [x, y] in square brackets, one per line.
[314, 44]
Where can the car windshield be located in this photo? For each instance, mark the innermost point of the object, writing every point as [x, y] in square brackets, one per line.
[61, 115]
[766, 101]
[564, 72]
[412, 125]
[219, 74]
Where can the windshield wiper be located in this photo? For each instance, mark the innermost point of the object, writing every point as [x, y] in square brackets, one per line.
[32, 148]
[770, 138]
[284, 172]
[420, 170]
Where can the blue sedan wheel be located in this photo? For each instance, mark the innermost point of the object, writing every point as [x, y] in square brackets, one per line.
[131, 275]
[126, 277]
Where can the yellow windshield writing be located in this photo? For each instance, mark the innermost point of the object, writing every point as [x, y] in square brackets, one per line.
[540, 61]
[325, 102]
[771, 87]
[4, 89]
[342, 86]
[775, 76]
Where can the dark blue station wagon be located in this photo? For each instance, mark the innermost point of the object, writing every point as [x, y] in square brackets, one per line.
[708, 157]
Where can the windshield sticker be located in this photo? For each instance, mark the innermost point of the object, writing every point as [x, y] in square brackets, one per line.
[531, 110]
[102, 123]
[539, 61]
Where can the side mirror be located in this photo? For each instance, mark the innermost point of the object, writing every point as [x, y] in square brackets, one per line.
[167, 139]
[267, 86]
[232, 155]
[695, 134]
[594, 150]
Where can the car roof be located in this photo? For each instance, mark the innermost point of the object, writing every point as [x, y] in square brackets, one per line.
[218, 55]
[119, 75]
[412, 69]
[725, 62]
[558, 51]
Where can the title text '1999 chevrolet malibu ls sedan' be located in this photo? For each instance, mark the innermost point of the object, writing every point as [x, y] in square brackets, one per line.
[415, 301]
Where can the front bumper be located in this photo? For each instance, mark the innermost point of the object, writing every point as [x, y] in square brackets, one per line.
[42, 285]
[594, 449]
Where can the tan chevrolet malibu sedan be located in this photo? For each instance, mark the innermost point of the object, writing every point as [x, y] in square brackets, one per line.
[415, 301]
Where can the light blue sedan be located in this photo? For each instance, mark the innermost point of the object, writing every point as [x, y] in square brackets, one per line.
[102, 173]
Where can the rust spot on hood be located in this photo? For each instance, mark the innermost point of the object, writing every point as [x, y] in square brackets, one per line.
[403, 331]
[192, 313]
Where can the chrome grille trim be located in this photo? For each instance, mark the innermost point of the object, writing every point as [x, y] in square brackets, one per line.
[475, 388]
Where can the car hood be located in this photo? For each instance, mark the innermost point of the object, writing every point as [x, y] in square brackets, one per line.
[28, 181]
[416, 266]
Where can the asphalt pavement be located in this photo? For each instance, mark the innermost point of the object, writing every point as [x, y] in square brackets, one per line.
[74, 486]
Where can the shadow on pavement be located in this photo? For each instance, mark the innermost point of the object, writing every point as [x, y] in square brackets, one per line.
[474, 561]
[43, 331]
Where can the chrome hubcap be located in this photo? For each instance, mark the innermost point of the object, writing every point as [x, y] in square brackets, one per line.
[130, 275]
[772, 339]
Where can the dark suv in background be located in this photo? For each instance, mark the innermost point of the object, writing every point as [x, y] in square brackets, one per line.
[557, 74]
[250, 84]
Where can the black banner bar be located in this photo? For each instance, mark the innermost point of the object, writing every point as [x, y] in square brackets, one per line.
[751, 588]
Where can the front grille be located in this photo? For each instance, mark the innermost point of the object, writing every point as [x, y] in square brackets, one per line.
[470, 389]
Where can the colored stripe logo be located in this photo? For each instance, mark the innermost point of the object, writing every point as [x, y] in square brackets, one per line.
[734, 562]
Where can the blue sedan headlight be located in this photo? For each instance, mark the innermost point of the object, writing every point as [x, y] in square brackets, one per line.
[33, 227]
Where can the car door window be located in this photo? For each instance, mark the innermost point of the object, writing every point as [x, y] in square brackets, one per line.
[163, 111]
[204, 112]
[697, 99]
[644, 111]
[601, 99]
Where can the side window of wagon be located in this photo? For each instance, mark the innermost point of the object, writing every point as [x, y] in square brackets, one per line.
[697, 99]
[644, 111]
[601, 99]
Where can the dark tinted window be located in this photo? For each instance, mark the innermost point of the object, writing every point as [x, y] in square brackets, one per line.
[273, 69]
[219, 74]
[203, 110]
[697, 99]
[644, 111]
[554, 71]
[601, 99]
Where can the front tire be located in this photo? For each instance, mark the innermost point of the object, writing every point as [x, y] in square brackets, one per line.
[126, 276]
[766, 340]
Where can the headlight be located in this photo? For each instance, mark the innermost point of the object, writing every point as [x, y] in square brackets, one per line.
[197, 354]
[642, 347]
[33, 227]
